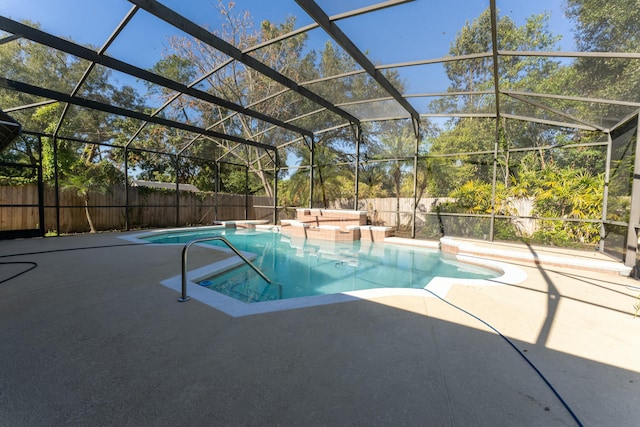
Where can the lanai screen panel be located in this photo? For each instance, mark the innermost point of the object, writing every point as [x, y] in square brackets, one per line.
[406, 32]
[19, 189]
[623, 149]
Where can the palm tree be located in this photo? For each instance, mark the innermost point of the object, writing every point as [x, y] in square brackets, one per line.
[87, 178]
[396, 143]
[81, 185]
[326, 176]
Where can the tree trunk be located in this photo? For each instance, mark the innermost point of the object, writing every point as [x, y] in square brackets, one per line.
[506, 170]
[398, 211]
[397, 178]
[92, 229]
[324, 193]
[266, 183]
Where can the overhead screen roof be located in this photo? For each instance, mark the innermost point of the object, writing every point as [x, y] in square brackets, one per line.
[403, 47]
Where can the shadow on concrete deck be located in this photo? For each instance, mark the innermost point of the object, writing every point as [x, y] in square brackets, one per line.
[90, 337]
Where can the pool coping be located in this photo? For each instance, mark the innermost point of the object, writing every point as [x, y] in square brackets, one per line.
[437, 287]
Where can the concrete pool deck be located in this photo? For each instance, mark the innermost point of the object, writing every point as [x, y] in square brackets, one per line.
[90, 337]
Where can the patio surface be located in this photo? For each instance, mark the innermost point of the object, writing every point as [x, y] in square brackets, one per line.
[90, 337]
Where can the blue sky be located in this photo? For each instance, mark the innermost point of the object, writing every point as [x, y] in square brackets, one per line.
[416, 30]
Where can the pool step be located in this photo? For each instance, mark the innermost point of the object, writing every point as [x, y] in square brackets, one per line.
[244, 289]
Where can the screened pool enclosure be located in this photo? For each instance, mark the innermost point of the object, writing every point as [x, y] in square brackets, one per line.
[490, 120]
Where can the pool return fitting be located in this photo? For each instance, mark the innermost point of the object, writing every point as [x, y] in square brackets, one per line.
[184, 297]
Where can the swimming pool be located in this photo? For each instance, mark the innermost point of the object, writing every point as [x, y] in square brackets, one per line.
[305, 267]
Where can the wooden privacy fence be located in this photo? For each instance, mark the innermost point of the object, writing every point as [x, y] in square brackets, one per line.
[22, 217]
[147, 208]
[157, 208]
[382, 211]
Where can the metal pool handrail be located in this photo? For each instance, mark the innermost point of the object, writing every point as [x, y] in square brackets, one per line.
[185, 250]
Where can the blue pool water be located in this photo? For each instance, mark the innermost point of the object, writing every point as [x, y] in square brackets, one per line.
[315, 267]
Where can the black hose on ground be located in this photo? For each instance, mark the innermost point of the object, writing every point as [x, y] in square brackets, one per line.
[30, 263]
[529, 362]
[34, 264]
[76, 249]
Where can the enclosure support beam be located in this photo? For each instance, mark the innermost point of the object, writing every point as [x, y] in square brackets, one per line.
[56, 183]
[356, 172]
[634, 210]
[177, 163]
[605, 193]
[216, 165]
[40, 189]
[246, 192]
[416, 129]
[496, 87]
[493, 182]
[276, 172]
[311, 166]
[126, 187]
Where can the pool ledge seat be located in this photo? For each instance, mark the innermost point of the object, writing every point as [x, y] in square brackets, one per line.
[246, 223]
[374, 233]
[459, 247]
[333, 225]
